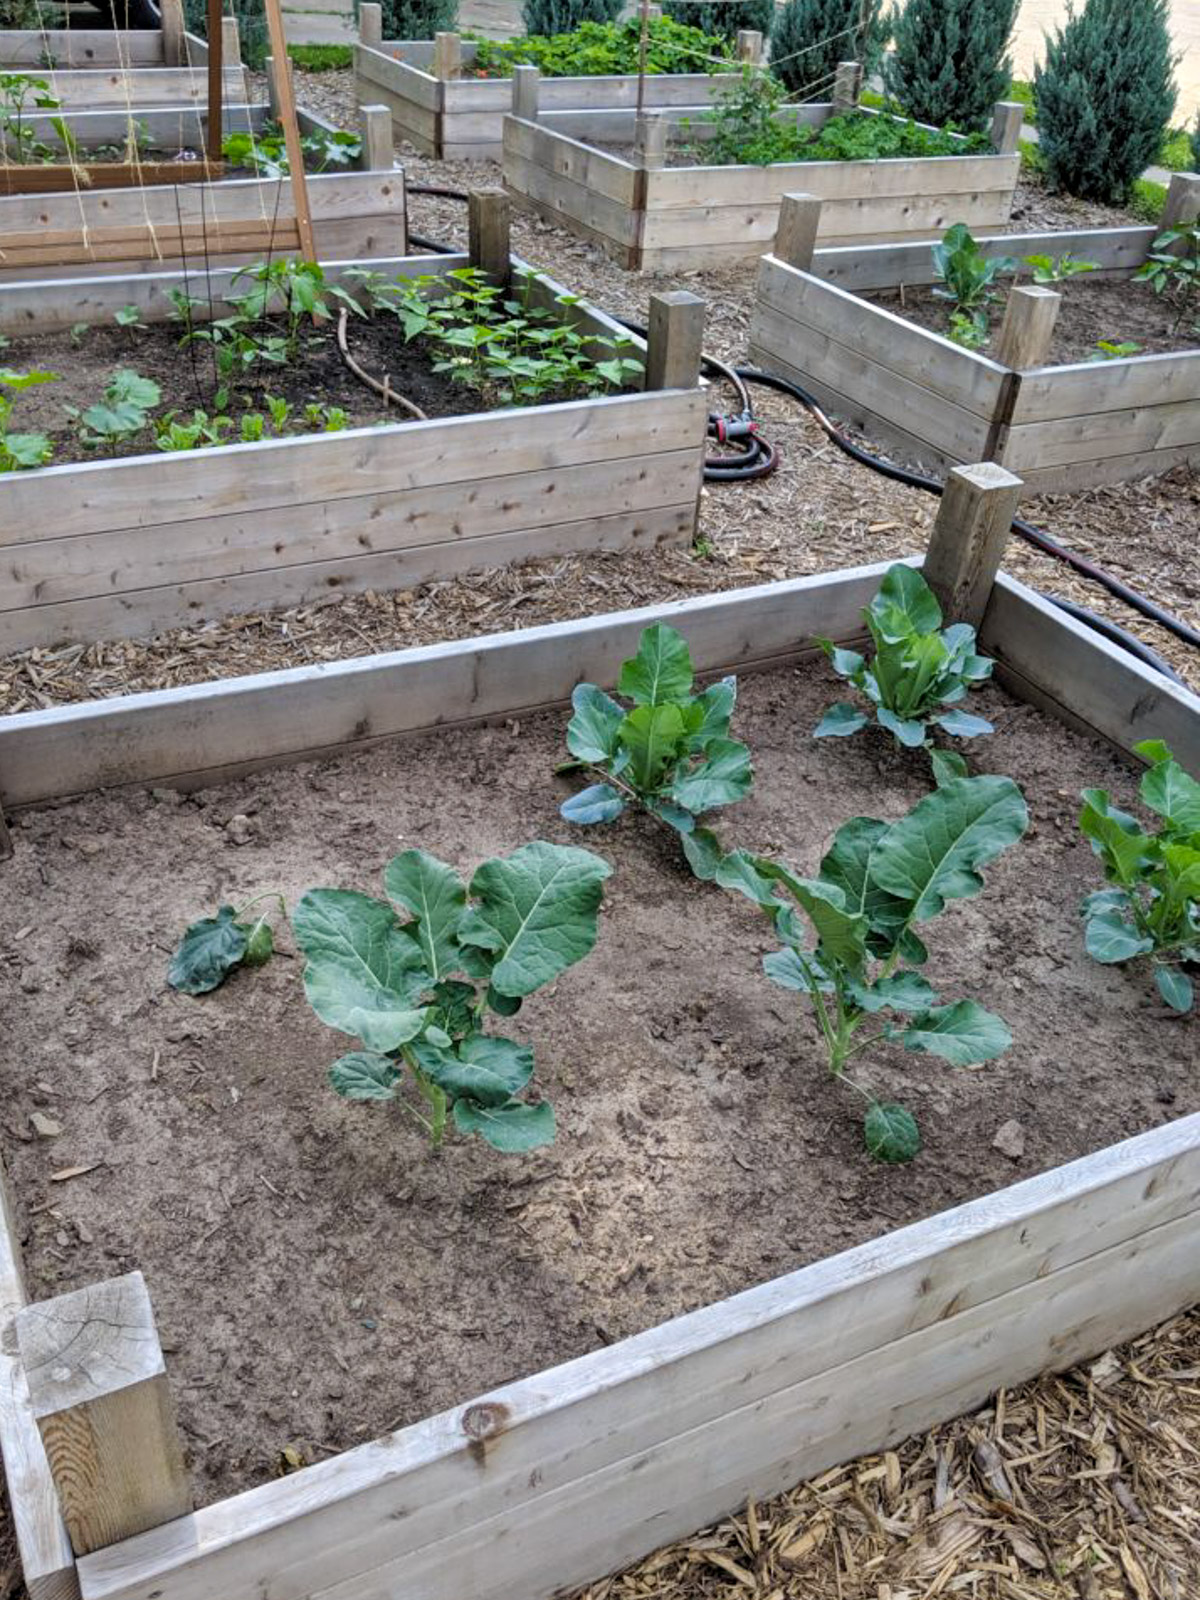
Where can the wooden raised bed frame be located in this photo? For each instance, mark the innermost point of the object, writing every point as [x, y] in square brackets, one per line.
[445, 115]
[636, 1444]
[1060, 427]
[648, 216]
[159, 541]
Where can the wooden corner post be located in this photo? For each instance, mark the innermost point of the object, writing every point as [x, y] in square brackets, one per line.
[173, 30]
[675, 340]
[796, 233]
[99, 1394]
[969, 534]
[447, 56]
[525, 85]
[1028, 327]
[370, 24]
[1007, 119]
[847, 85]
[488, 226]
[749, 45]
[378, 151]
[650, 139]
[1183, 200]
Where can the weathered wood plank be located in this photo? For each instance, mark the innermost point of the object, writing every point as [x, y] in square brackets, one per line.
[609, 175]
[969, 380]
[631, 1444]
[1070, 669]
[148, 86]
[42, 1543]
[152, 491]
[556, 198]
[1082, 389]
[886, 266]
[884, 179]
[174, 129]
[1172, 426]
[1107, 469]
[80, 48]
[408, 82]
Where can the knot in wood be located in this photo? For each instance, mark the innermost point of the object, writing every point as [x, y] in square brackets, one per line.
[485, 1420]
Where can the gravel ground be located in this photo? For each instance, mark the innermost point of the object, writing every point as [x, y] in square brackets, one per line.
[817, 512]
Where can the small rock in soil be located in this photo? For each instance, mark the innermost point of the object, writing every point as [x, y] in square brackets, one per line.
[240, 829]
[1010, 1140]
[45, 1127]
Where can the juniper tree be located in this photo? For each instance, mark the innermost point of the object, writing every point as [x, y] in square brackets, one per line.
[950, 62]
[1105, 96]
[418, 19]
[724, 18]
[826, 31]
[564, 16]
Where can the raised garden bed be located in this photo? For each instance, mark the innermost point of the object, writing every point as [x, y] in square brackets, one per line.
[634, 1444]
[455, 117]
[1061, 425]
[649, 216]
[119, 546]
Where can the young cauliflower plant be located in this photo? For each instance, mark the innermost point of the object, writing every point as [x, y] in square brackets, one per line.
[670, 753]
[415, 992]
[918, 676]
[877, 883]
[1153, 908]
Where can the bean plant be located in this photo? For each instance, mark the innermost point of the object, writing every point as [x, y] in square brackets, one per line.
[1153, 906]
[669, 753]
[414, 976]
[918, 677]
[1172, 269]
[850, 940]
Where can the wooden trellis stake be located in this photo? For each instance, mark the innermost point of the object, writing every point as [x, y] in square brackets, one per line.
[291, 129]
[216, 66]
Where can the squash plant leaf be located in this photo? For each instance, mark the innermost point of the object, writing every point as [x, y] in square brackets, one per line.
[919, 673]
[669, 754]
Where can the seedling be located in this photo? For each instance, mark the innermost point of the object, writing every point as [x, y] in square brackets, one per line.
[970, 329]
[968, 277]
[125, 410]
[216, 946]
[21, 97]
[21, 450]
[415, 993]
[1154, 907]
[1172, 269]
[670, 753]
[1057, 269]
[129, 317]
[875, 886]
[918, 676]
[1112, 350]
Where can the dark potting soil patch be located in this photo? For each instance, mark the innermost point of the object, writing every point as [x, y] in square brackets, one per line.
[318, 1276]
[1113, 309]
[85, 364]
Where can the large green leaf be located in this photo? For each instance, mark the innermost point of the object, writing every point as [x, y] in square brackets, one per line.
[661, 672]
[363, 1075]
[599, 802]
[435, 895]
[841, 720]
[963, 724]
[842, 933]
[208, 952]
[716, 709]
[963, 1033]
[487, 1069]
[1110, 938]
[891, 1133]
[723, 776]
[1116, 836]
[934, 854]
[536, 913]
[592, 731]
[847, 863]
[904, 604]
[652, 736]
[364, 974]
[786, 968]
[1175, 987]
[1169, 790]
[511, 1129]
[703, 851]
[909, 731]
[741, 871]
[903, 991]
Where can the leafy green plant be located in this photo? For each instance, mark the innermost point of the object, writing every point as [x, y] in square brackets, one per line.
[1112, 350]
[322, 57]
[121, 414]
[809, 38]
[266, 153]
[20, 97]
[918, 677]
[669, 754]
[1153, 908]
[252, 27]
[1105, 93]
[415, 993]
[875, 887]
[601, 49]
[752, 126]
[19, 451]
[967, 275]
[214, 947]
[1172, 269]
[1057, 269]
[500, 343]
[971, 329]
[949, 62]
[130, 318]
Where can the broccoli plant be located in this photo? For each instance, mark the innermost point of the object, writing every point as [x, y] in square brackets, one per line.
[875, 885]
[918, 675]
[670, 753]
[216, 946]
[415, 992]
[970, 280]
[1153, 908]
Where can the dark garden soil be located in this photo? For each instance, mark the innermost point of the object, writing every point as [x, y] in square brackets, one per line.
[84, 365]
[1113, 309]
[318, 1276]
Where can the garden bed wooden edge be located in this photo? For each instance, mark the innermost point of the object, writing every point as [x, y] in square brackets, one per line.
[164, 540]
[636, 1444]
[1061, 428]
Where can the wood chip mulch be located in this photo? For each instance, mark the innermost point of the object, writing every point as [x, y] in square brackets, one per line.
[1084, 1486]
